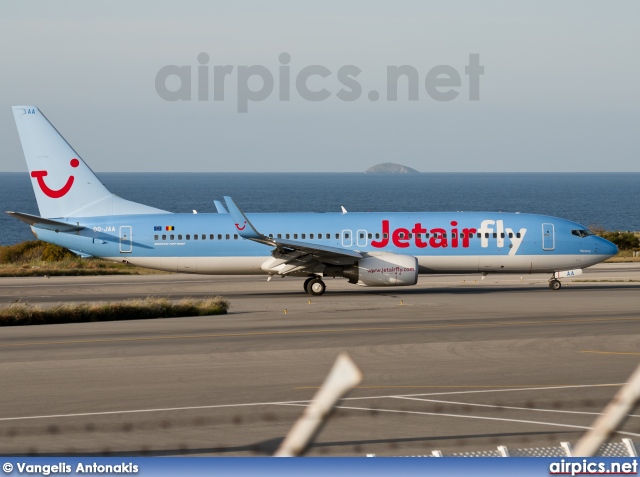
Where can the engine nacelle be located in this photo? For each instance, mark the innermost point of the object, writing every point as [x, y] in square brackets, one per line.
[383, 269]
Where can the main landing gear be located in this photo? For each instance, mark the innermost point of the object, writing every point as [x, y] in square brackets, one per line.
[555, 284]
[314, 286]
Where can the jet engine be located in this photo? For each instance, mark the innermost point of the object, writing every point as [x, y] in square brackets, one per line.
[383, 269]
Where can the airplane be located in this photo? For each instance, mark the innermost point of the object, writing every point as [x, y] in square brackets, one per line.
[368, 249]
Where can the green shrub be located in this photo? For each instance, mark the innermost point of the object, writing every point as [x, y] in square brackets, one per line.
[33, 250]
[22, 252]
[624, 240]
[55, 253]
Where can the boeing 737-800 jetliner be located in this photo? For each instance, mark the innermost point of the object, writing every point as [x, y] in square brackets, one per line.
[368, 249]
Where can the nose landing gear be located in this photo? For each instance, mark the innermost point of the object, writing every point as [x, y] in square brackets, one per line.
[555, 284]
[314, 286]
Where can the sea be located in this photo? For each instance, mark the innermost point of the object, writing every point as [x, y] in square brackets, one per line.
[609, 200]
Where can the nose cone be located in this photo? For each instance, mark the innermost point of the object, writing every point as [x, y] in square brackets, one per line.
[604, 247]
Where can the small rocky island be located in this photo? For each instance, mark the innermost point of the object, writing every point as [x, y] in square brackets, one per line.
[390, 168]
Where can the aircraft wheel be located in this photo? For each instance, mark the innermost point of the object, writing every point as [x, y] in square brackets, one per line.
[555, 284]
[316, 287]
[306, 284]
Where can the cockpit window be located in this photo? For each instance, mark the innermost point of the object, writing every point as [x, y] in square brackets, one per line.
[581, 233]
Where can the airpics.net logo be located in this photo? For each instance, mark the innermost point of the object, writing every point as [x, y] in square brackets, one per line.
[257, 83]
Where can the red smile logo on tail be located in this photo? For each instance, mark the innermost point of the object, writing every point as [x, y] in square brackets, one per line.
[241, 228]
[55, 194]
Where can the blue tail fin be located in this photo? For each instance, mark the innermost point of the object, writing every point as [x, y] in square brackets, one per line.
[64, 185]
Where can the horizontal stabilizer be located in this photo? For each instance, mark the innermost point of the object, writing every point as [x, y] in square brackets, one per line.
[47, 224]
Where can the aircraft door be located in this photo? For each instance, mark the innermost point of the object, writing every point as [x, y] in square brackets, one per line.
[548, 237]
[126, 244]
[347, 239]
[361, 238]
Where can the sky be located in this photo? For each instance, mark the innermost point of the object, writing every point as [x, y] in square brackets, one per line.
[559, 92]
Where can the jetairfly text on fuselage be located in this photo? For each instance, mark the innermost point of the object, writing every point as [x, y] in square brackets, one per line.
[439, 237]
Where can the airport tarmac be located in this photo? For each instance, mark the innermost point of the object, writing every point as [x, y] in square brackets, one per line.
[453, 364]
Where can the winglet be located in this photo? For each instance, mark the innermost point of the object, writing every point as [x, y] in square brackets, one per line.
[344, 211]
[219, 207]
[244, 227]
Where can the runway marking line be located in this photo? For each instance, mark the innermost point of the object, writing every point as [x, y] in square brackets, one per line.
[609, 352]
[538, 387]
[322, 331]
[521, 421]
[514, 387]
[278, 403]
[504, 407]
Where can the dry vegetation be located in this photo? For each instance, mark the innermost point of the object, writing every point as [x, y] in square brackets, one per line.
[36, 259]
[20, 314]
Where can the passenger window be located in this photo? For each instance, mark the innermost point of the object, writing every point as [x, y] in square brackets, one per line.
[188, 237]
[361, 235]
[410, 235]
[270, 235]
[155, 237]
[279, 236]
[164, 237]
[311, 236]
[510, 234]
[502, 235]
[195, 236]
[385, 236]
[377, 235]
[495, 235]
[346, 235]
[171, 237]
[328, 236]
[295, 236]
[518, 235]
[235, 236]
[219, 236]
[287, 235]
[212, 236]
[227, 236]
[337, 236]
[179, 236]
[303, 236]
[453, 235]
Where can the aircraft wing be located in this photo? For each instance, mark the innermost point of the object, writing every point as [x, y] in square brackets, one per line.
[297, 256]
[47, 224]
[317, 249]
